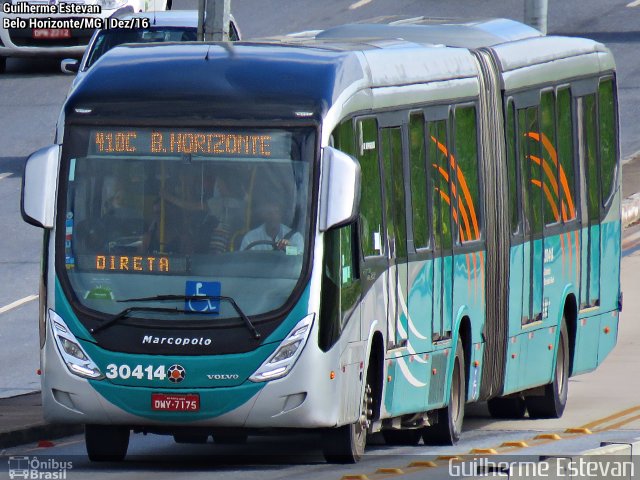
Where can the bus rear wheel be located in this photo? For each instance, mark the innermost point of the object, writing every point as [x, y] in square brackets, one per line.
[554, 400]
[507, 407]
[448, 427]
[106, 443]
[346, 444]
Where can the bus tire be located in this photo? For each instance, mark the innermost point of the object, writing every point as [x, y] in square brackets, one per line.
[554, 400]
[448, 427]
[346, 444]
[106, 443]
[3, 64]
[407, 438]
[230, 438]
[507, 407]
[190, 438]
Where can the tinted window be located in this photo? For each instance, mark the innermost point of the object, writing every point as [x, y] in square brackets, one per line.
[394, 188]
[608, 146]
[548, 160]
[565, 154]
[466, 196]
[441, 194]
[370, 203]
[418, 181]
[590, 148]
[529, 153]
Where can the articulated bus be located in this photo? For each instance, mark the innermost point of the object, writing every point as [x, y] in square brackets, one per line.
[348, 231]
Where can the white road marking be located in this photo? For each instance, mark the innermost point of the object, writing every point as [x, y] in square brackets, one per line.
[5, 175]
[635, 3]
[18, 303]
[358, 4]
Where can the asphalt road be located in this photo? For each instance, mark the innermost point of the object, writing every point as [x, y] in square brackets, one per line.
[31, 94]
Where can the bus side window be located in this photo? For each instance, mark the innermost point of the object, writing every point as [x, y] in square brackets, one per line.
[349, 285]
[565, 155]
[608, 135]
[340, 287]
[418, 179]
[512, 168]
[466, 196]
[370, 197]
[531, 170]
[589, 116]
[344, 139]
[441, 199]
[549, 174]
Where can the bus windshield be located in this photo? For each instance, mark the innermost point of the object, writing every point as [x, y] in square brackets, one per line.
[185, 212]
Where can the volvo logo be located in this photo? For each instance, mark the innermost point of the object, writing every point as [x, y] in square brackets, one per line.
[223, 376]
[178, 341]
[176, 373]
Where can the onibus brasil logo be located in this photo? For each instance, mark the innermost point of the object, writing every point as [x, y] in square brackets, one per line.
[38, 469]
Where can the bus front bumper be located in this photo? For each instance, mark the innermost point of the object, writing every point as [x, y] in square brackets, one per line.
[306, 398]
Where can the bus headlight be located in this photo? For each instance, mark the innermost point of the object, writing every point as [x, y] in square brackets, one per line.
[74, 356]
[284, 358]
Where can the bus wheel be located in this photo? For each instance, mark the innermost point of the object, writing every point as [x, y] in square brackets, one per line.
[507, 407]
[106, 443]
[3, 64]
[346, 444]
[554, 400]
[402, 437]
[230, 438]
[190, 438]
[448, 427]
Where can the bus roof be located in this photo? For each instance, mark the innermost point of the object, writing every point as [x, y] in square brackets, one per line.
[304, 74]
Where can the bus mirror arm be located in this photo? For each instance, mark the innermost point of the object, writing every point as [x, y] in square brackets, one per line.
[39, 186]
[339, 189]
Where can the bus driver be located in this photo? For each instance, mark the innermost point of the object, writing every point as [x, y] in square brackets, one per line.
[272, 234]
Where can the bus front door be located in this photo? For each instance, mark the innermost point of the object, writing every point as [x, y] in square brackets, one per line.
[396, 236]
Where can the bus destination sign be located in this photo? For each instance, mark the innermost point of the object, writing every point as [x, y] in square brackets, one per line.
[163, 142]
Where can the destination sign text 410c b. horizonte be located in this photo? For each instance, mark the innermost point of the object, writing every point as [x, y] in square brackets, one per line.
[163, 142]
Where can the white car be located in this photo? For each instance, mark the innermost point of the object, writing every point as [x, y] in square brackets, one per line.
[59, 27]
[170, 26]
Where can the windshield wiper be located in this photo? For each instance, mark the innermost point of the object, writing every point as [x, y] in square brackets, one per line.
[186, 298]
[125, 313]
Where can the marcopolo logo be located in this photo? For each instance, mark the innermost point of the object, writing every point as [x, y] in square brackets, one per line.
[178, 341]
[38, 468]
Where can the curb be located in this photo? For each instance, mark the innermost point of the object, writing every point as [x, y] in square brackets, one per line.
[35, 433]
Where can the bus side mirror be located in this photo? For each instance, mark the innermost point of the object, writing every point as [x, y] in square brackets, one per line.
[39, 185]
[339, 189]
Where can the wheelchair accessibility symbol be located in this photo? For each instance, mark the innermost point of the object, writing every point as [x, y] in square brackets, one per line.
[202, 289]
